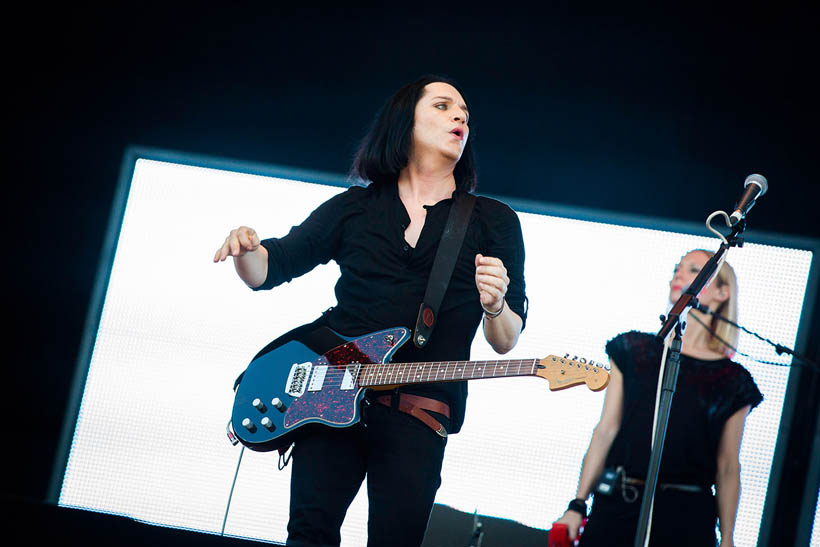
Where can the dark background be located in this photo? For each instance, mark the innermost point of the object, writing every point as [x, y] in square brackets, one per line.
[661, 114]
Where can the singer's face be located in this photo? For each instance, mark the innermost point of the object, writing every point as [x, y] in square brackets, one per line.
[685, 273]
[440, 123]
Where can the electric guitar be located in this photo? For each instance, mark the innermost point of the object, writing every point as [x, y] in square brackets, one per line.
[294, 386]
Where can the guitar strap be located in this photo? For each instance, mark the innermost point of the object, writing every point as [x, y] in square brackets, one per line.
[443, 264]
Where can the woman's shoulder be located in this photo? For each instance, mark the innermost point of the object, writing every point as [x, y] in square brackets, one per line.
[631, 340]
[733, 386]
[634, 351]
[745, 381]
[731, 370]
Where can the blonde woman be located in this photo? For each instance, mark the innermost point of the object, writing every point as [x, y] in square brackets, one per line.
[712, 399]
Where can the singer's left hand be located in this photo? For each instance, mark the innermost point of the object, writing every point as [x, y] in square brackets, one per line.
[491, 281]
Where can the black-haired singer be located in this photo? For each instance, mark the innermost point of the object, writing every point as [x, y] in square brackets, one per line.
[384, 236]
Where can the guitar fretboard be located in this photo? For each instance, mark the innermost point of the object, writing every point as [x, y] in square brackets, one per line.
[443, 371]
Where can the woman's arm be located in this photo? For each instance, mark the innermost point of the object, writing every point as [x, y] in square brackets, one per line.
[602, 437]
[727, 478]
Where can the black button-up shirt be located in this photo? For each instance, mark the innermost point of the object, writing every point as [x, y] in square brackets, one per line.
[383, 279]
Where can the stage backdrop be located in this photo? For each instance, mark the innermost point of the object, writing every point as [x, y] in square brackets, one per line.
[170, 331]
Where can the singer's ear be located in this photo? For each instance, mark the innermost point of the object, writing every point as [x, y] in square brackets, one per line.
[722, 293]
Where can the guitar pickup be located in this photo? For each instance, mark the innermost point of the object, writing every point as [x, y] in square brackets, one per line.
[318, 378]
[350, 375]
[297, 381]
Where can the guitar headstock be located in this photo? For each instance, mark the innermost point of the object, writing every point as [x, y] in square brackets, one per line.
[563, 372]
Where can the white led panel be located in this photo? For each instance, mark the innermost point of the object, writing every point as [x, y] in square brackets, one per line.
[176, 329]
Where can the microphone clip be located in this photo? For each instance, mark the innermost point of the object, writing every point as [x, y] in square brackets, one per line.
[736, 237]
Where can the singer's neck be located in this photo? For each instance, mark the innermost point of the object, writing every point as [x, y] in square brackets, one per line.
[695, 341]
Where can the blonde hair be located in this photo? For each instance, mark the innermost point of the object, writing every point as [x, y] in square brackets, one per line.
[721, 331]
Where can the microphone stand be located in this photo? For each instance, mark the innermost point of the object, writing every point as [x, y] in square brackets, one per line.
[478, 532]
[672, 325]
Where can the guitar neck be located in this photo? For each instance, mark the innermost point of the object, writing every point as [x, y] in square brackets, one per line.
[373, 375]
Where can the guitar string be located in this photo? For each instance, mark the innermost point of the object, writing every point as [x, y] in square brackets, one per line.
[388, 373]
[430, 368]
[370, 371]
[451, 369]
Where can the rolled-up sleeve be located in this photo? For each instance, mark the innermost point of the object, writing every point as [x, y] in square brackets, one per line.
[507, 243]
[315, 241]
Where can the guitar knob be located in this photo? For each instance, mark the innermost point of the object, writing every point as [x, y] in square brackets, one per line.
[268, 424]
[259, 405]
[249, 425]
[278, 404]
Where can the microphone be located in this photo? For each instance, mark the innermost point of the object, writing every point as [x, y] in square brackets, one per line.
[755, 187]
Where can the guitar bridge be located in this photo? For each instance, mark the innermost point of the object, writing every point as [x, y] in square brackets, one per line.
[297, 381]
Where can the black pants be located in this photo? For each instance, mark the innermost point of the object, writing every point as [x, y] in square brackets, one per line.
[678, 519]
[401, 458]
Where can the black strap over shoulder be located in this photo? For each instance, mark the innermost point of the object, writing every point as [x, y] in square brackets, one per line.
[445, 261]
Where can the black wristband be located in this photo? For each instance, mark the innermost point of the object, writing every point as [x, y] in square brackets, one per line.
[579, 506]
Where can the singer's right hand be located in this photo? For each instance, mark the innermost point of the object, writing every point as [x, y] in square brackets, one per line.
[239, 242]
[573, 521]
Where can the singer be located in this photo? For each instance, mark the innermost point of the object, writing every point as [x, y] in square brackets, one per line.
[418, 162]
[713, 397]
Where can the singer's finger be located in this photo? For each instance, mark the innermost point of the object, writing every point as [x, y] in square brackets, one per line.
[234, 246]
[244, 240]
[222, 253]
[491, 261]
[496, 271]
[492, 281]
[490, 294]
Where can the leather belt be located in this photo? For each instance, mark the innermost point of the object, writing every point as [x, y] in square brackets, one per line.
[416, 405]
[668, 486]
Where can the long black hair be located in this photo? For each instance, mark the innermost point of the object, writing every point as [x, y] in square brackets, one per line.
[385, 149]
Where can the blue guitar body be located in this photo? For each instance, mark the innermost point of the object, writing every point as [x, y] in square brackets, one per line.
[293, 386]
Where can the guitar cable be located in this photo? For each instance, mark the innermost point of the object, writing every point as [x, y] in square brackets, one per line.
[779, 348]
[284, 458]
[230, 494]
